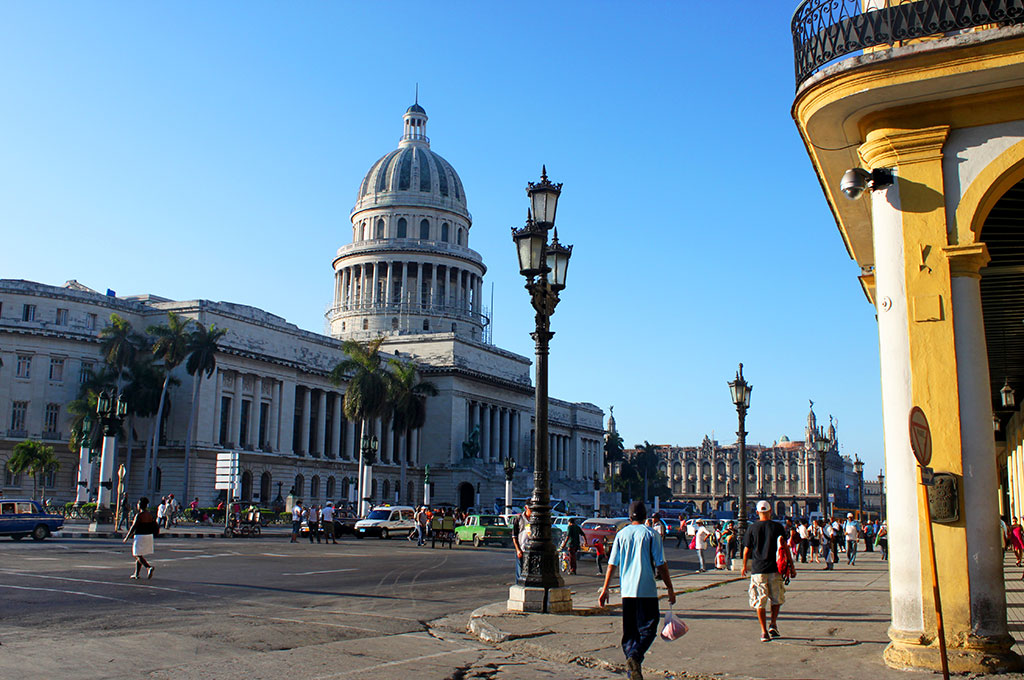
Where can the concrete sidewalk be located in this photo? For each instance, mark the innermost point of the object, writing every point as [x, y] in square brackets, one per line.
[81, 530]
[833, 626]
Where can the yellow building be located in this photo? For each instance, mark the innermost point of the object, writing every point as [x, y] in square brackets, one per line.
[924, 101]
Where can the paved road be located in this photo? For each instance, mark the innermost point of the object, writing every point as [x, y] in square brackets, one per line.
[255, 608]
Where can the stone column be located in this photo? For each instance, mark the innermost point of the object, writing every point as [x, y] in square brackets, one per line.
[217, 406]
[378, 432]
[257, 413]
[275, 417]
[336, 425]
[415, 435]
[515, 437]
[307, 411]
[503, 415]
[286, 416]
[321, 422]
[389, 274]
[351, 445]
[418, 299]
[495, 432]
[236, 412]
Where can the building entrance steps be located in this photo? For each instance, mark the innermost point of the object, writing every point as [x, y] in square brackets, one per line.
[833, 626]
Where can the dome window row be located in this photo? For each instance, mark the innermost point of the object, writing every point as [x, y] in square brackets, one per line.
[380, 231]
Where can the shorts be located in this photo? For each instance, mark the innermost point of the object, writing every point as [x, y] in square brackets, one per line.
[765, 588]
[296, 526]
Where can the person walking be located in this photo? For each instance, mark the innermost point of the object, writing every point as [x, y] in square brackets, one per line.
[852, 532]
[637, 554]
[814, 540]
[598, 544]
[701, 540]
[421, 525]
[327, 523]
[760, 548]
[729, 542]
[572, 541]
[804, 534]
[882, 541]
[296, 520]
[161, 513]
[1017, 539]
[142, 530]
[313, 522]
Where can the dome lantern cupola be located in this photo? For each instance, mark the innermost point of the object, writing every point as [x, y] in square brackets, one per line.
[414, 132]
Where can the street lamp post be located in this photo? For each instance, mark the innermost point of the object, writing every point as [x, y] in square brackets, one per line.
[367, 453]
[540, 587]
[111, 411]
[858, 468]
[426, 486]
[597, 496]
[822, 445]
[510, 470]
[881, 495]
[740, 390]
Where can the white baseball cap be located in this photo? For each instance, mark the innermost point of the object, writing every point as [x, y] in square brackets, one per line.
[849, 515]
[763, 506]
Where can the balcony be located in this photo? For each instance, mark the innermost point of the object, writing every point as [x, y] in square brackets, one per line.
[828, 30]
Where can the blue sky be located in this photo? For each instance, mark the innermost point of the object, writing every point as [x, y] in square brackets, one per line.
[214, 150]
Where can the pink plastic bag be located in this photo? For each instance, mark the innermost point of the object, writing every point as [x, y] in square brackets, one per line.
[672, 628]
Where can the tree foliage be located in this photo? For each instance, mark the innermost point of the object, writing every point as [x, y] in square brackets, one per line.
[630, 480]
[35, 458]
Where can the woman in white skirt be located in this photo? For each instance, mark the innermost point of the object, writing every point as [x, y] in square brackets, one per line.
[143, 528]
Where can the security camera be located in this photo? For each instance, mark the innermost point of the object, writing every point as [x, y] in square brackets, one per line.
[857, 180]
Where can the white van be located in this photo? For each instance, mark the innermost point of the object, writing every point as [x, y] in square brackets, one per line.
[387, 521]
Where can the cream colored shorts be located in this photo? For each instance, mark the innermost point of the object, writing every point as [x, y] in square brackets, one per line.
[765, 588]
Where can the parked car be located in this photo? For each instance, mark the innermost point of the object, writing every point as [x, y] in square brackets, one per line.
[601, 527]
[387, 521]
[21, 518]
[482, 529]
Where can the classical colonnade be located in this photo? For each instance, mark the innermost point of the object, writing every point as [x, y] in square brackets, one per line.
[377, 285]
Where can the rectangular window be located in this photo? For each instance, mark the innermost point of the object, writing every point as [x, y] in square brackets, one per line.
[90, 322]
[24, 366]
[62, 317]
[56, 369]
[52, 419]
[49, 480]
[18, 411]
[85, 372]
[11, 479]
[28, 312]
[225, 420]
[264, 417]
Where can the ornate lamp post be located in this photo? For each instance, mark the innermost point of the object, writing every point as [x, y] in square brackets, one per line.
[426, 485]
[822, 445]
[740, 391]
[597, 496]
[111, 411]
[540, 587]
[367, 455]
[858, 468]
[510, 469]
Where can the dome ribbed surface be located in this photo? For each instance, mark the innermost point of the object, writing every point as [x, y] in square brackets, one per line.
[413, 169]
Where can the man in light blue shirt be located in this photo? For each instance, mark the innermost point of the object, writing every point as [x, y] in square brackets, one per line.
[638, 554]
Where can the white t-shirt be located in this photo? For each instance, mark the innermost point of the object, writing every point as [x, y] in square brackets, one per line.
[801, 530]
[314, 515]
[851, 530]
[702, 537]
[327, 514]
[160, 511]
[297, 513]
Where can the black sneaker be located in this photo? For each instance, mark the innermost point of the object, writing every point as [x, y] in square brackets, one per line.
[773, 631]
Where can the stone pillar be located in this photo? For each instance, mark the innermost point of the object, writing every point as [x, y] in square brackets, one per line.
[217, 406]
[336, 424]
[351, 445]
[286, 416]
[495, 432]
[307, 410]
[377, 431]
[275, 417]
[485, 432]
[418, 298]
[257, 412]
[932, 358]
[321, 421]
[236, 413]
[389, 274]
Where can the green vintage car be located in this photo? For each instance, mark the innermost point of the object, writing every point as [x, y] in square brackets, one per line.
[482, 529]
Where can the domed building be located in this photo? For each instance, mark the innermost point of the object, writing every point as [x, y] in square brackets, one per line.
[409, 268]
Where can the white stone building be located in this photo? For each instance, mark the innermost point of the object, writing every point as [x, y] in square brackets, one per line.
[409, 274]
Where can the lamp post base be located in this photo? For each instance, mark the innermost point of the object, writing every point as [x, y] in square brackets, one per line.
[539, 600]
[102, 515]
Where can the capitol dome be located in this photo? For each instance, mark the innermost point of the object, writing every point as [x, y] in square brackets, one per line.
[412, 174]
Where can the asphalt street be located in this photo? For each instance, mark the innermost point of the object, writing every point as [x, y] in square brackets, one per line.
[258, 608]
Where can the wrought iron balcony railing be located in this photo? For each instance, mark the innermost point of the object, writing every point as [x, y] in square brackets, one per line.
[827, 30]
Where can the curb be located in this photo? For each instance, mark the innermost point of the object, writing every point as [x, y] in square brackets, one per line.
[115, 534]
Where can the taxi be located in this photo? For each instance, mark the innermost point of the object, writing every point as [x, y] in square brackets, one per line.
[20, 518]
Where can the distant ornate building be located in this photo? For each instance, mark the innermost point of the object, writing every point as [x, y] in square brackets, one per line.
[409, 274]
[785, 473]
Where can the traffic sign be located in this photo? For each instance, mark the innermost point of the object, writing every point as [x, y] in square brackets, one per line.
[831, 498]
[927, 476]
[920, 436]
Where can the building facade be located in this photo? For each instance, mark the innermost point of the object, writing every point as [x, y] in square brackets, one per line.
[409, 275]
[912, 110]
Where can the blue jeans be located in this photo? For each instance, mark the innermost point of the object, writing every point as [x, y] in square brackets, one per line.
[639, 625]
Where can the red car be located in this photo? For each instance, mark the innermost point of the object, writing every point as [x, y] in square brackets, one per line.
[601, 527]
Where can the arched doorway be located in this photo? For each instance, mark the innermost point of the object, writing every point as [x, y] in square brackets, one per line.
[466, 495]
[266, 483]
[780, 509]
[247, 486]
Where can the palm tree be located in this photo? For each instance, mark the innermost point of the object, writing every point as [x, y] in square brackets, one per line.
[120, 344]
[143, 392]
[35, 458]
[366, 396]
[408, 397]
[172, 347]
[202, 358]
[84, 405]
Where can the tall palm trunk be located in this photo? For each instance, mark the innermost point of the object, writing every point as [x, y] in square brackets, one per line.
[151, 459]
[198, 378]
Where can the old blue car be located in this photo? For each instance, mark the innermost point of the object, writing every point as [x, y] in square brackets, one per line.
[21, 518]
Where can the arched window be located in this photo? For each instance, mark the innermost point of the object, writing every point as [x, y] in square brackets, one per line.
[426, 324]
[314, 487]
[300, 485]
[380, 229]
[266, 483]
[424, 230]
[344, 488]
[387, 490]
[458, 236]
[247, 486]
[330, 488]
[444, 232]
[366, 324]
[403, 227]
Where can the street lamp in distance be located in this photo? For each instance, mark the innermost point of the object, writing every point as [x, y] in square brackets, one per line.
[544, 265]
[858, 468]
[510, 470]
[822, 444]
[111, 411]
[740, 390]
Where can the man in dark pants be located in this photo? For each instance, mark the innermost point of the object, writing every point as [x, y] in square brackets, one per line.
[637, 552]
